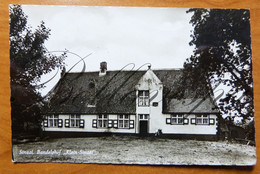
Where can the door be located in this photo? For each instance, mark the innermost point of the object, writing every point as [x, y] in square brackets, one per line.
[143, 127]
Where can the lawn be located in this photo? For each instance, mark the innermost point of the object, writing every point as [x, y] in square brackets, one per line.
[135, 150]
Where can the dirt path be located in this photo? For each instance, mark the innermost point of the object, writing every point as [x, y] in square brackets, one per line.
[133, 150]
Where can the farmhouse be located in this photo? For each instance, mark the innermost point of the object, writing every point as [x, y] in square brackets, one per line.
[131, 102]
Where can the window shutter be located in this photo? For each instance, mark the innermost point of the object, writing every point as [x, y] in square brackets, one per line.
[45, 123]
[115, 125]
[193, 120]
[94, 123]
[131, 124]
[185, 121]
[81, 123]
[67, 123]
[168, 120]
[60, 123]
[110, 123]
[211, 121]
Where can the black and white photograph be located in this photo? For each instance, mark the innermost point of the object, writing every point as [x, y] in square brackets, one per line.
[131, 85]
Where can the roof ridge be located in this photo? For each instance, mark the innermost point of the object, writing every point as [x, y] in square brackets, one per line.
[166, 69]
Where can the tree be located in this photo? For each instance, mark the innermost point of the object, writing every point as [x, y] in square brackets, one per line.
[29, 60]
[223, 56]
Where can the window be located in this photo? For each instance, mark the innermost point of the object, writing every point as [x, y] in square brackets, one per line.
[202, 119]
[53, 121]
[199, 119]
[74, 121]
[143, 116]
[205, 119]
[155, 104]
[176, 119]
[102, 121]
[143, 98]
[123, 121]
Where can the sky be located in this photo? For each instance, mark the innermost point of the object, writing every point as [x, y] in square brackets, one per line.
[117, 35]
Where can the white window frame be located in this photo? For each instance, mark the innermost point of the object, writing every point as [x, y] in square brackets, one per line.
[74, 121]
[143, 98]
[102, 121]
[202, 119]
[123, 121]
[53, 121]
[143, 116]
[177, 119]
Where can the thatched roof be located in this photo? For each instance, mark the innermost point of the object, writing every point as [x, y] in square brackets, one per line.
[87, 93]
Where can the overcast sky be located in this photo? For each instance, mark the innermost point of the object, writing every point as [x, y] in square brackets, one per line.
[117, 35]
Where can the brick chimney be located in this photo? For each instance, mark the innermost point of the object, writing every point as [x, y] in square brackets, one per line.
[103, 68]
[63, 71]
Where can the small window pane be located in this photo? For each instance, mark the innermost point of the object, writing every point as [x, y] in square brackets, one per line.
[55, 123]
[77, 123]
[120, 123]
[51, 123]
[99, 123]
[155, 103]
[180, 120]
[105, 123]
[126, 123]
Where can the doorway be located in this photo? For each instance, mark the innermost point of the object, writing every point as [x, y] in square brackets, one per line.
[143, 124]
[143, 127]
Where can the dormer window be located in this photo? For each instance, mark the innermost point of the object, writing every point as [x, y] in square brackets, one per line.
[143, 98]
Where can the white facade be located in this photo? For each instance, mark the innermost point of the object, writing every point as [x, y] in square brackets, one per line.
[149, 117]
[88, 125]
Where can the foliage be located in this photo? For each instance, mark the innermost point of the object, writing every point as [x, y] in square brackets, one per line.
[223, 56]
[29, 59]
